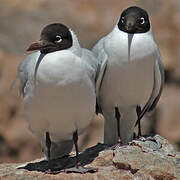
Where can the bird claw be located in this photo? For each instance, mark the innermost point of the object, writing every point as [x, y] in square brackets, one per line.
[143, 139]
[80, 169]
[151, 139]
[119, 144]
[49, 171]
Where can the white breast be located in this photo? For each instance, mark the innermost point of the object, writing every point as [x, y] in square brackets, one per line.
[129, 73]
[64, 100]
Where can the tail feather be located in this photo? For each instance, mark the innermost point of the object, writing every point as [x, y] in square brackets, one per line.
[14, 82]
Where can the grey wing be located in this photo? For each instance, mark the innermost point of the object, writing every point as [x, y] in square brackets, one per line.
[91, 61]
[25, 70]
[102, 57]
[23, 75]
[161, 69]
[100, 73]
[157, 89]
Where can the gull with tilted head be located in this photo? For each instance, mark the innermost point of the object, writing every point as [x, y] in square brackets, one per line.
[58, 85]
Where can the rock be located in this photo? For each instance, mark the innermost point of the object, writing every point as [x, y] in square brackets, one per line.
[21, 22]
[153, 159]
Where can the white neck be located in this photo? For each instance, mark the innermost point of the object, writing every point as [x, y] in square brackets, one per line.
[75, 48]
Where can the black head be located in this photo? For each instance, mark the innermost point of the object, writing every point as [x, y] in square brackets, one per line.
[134, 20]
[54, 37]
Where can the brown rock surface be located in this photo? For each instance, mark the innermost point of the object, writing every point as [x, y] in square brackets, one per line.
[21, 22]
[153, 160]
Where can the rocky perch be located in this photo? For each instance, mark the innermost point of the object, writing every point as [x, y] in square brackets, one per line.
[140, 160]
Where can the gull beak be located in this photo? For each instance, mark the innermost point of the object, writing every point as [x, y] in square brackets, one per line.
[36, 46]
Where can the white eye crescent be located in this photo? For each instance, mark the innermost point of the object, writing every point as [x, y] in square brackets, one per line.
[122, 19]
[142, 20]
[58, 39]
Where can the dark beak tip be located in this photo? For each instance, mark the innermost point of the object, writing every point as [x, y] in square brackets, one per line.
[129, 28]
[34, 46]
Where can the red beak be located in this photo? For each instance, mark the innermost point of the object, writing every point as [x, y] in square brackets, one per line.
[35, 46]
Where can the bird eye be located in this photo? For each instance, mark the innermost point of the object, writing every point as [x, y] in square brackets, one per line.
[122, 19]
[58, 39]
[142, 20]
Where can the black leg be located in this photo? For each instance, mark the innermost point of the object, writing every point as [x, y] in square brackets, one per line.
[118, 116]
[79, 168]
[138, 111]
[48, 145]
[75, 140]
